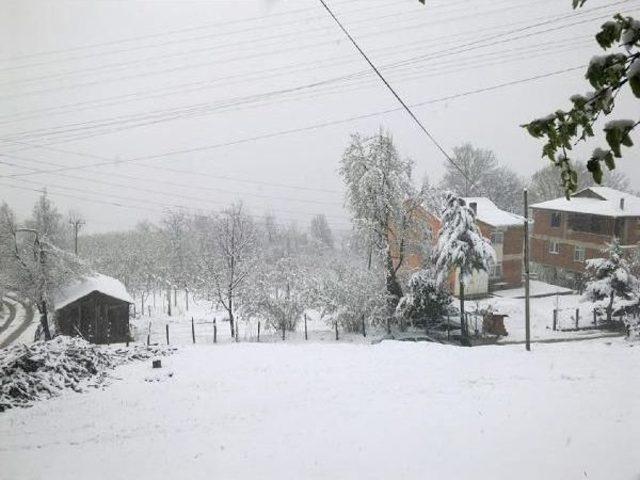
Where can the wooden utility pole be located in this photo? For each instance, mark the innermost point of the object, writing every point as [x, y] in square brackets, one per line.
[527, 324]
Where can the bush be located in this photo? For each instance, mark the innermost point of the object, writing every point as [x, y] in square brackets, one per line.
[426, 302]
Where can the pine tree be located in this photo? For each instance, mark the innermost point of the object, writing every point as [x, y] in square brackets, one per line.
[461, 246]
[610, 278]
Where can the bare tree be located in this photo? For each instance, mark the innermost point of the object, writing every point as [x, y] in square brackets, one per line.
[320, 230]
[77, 221]
[233, 236]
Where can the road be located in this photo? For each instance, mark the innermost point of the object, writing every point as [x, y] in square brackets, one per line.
[19, 325]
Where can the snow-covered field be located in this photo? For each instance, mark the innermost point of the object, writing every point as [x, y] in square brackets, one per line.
[340, 411]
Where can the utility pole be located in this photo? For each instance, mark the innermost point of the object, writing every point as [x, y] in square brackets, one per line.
[527, 325]
[77, 222]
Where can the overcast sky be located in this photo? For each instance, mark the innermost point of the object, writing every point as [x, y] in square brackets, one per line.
[204, 102]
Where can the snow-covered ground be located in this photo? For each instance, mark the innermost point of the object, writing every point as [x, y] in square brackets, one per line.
[339, 411]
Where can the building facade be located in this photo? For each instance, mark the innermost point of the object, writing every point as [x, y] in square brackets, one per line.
[566, 233]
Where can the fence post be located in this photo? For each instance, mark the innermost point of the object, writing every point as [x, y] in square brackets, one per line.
[167, 328]
[336, 330]
[258, 331]
[215, 331]
[236, 331]
[388, 326]
[284, 326]
[555, 319]
[448, 326]
[306, 337]
[193, 330]
[149, 335]
[364, 327]
[595, 317]
[577, 317]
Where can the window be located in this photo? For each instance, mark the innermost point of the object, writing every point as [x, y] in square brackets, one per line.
[497, 237]
[579, 253]
[555, 219]
[554, 247]
[496, 270]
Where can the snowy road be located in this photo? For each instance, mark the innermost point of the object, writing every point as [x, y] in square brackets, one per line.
[19, 326]
[334, 411]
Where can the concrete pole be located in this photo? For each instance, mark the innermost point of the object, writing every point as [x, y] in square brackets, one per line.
[527, 322]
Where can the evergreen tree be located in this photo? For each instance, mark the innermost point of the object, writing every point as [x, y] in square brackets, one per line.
[461, 246]
[610, 278]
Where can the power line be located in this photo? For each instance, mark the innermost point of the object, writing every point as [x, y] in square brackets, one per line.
[295, 130]
[101, 127]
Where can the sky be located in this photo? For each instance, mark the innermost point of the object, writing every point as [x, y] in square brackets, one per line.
[123, 109]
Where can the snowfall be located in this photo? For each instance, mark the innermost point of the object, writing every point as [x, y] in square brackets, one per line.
[353, 409]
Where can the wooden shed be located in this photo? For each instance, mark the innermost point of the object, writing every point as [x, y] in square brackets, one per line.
[96, 308]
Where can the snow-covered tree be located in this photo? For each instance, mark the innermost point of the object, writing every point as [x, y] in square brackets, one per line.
[610, 278]
[34, 267]
[320, 230]
[47, 221]
[229, 252]
[461, 246]
[426, 299]
[383, 200]
[546, 185]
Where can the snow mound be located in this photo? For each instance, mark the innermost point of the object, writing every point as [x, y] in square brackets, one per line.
[44, 369]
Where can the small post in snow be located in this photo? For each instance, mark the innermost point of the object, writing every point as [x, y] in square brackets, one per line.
[336, 330]
[577, 317]
[283, 330]
[167, 329]
[595, 317]
[305, 327]
[388, 326]
[555, 319]
[193, 331]
[258, 331]
[236, 332]
[448, 326]
[149, 335]
[215, 331]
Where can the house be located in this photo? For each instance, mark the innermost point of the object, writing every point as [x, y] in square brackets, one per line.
[506, 232]
[568, 232]
[95, 307]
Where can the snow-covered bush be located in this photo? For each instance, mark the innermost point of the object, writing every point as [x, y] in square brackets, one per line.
[277, 294]
[348, 293]
[610, 279]
[426, 301]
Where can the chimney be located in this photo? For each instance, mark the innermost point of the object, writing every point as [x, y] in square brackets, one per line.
[474, 207]
[622, 203]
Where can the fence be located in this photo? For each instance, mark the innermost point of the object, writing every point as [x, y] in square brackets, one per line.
[574, 319]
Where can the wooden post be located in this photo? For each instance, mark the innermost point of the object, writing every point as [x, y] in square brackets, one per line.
[169, 300]
[448, 326]
[364, 327]
[527, 318]
[555, 319]
[149, 335]
[283, 330]
[193, 331]
[595, 317]
[215, 331]
[236, 330]
[388, 326]
[336, 330]
[258, 331]
[167, 329]
[305, 327]
[577, 317]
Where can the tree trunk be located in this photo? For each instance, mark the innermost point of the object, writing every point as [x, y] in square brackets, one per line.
[44, 321]
[463, 323]
[230, 311]
[393, 286]
[610, 308]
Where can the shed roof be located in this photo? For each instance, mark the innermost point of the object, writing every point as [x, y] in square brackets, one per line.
[94, 283]
[596, 201]
[489, 213]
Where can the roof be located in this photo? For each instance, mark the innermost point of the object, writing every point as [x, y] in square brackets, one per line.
[489, 213]
[94, 283]
[602, 201]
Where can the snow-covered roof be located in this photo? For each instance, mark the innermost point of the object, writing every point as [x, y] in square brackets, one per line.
[489, 213]
[597, 201]
[93, 283]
